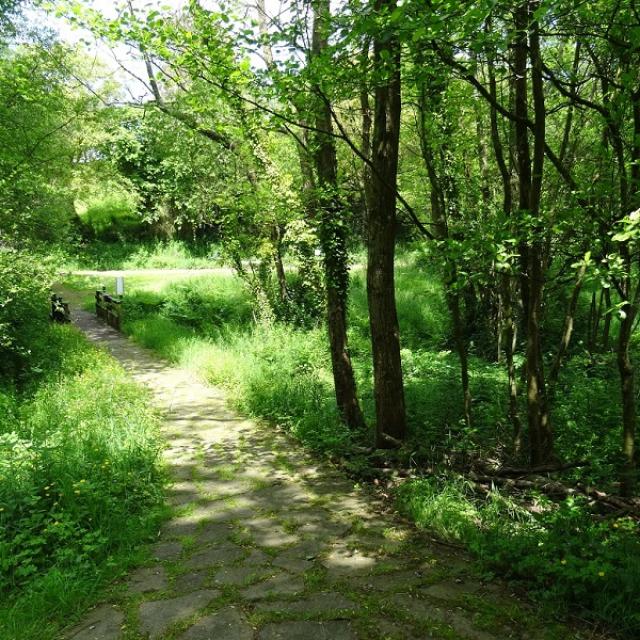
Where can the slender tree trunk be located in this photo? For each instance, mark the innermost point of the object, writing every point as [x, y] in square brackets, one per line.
[383, 318]
[461, 346]
[333, 237]
[276, 240]
[509, 326]
[567, 330]
[591, 325]
[367, 122]
[627, 385]
[630, 309]
[511, 337]
[607, 319]
[527, 43]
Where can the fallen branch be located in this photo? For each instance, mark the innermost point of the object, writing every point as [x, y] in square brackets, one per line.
[530, 471]
[555, 489]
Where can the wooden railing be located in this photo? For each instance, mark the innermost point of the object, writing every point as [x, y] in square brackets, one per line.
[109, 308]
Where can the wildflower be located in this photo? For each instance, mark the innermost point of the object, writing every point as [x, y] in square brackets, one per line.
[601, 574]
[563, 562]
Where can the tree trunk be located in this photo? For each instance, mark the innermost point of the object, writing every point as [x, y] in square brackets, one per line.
[607, 319]
[511, 335]
[283, 289]
[530, 189]
[383, 318]
[567, 330]
[333, 237]
[627, 383]
[509, 326]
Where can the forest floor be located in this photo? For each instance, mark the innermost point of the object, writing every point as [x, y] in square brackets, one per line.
[268, 543]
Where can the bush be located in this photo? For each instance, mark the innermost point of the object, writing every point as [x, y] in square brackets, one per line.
[208, 304]
[24, 283]
[112, 215]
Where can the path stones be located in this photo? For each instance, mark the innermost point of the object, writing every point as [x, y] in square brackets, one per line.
[213, 532]
[256, 558]
[226, 553]
[103, 623]
[451, 591]
[331, 630]
[459, 620]
[166, 550]
[343, 561]
[299, 558]
[148, 580]
[318, 603]
[157, 616]
[267, 533]
[190, 581]
[278, 585]
[388, 582]
[238, 576]
[227, 624]
[224, 488]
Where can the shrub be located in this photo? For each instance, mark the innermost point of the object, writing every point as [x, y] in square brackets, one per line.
[24, 283]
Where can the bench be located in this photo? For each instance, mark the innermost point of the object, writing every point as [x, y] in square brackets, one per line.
[60, 312]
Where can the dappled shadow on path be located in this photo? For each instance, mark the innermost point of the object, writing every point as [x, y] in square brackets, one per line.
[267, 543]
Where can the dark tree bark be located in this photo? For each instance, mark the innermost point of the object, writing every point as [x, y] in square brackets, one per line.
[627, 386]
[530, 170]
[383, 318]
[333, 237]
[509, 326]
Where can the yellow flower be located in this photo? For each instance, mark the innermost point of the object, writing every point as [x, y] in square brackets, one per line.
[601, 574]
[563, 562]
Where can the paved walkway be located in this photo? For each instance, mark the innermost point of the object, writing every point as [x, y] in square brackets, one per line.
[267, 544]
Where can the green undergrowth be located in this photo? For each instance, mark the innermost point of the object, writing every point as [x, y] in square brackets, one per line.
[81, 485]
[169, 254]
[573, 562]
[282, 373]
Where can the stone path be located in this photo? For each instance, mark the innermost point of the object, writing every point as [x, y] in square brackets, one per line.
[268, 544]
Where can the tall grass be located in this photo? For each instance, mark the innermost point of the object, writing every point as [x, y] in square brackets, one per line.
[572, 561]
[169, 254]
[80, 484]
